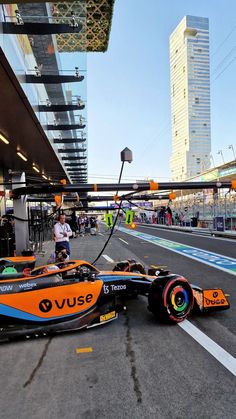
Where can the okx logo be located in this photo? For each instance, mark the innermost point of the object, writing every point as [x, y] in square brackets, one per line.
[45, 306]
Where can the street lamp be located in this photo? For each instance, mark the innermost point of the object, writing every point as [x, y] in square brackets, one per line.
[230, 147]
[220, 152]
[212, 158]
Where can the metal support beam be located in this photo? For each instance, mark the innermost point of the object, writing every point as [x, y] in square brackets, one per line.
[20, 212]
[36, 28]
[2, 190]
[78, 172]
[91, 198]
[68, 140]
[50, 79]
[135, 187]
[63, 127]
[71, 150]
[71, 158]
[58, 108]
[33, 1]
[71, 165]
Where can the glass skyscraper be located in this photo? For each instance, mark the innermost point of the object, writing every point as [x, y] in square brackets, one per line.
[190, 98]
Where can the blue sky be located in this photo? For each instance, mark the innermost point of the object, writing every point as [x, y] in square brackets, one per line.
[128, 93]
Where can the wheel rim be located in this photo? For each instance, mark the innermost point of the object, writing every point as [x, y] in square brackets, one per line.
[178, 299]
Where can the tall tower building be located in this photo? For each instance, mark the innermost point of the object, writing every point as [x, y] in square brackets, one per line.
[190, 98]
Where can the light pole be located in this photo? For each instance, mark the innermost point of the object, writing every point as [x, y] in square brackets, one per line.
[230, 147]
[220, 152]
[125, 155]
[212, 158]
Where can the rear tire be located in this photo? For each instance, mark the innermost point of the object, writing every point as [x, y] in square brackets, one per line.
[171, 300]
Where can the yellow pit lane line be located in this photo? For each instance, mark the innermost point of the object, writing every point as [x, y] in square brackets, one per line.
[84, 350]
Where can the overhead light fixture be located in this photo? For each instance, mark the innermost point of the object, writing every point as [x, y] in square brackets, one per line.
[21, 156]
[4, 139]
[45, 177]
[36, 169]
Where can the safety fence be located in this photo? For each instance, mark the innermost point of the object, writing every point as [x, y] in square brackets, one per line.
[205, 209]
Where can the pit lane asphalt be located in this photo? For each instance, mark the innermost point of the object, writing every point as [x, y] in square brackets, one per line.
[138, 368]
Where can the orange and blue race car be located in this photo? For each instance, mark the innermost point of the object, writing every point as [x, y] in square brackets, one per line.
[75, 295]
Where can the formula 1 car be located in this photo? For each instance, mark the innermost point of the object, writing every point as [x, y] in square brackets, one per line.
[74, 295]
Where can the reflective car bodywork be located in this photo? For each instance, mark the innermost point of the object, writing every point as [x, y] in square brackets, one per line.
[75, 295]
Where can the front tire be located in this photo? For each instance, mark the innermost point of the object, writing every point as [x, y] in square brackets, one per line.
[172, 300]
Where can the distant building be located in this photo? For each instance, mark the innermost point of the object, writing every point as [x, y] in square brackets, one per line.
[190, 98]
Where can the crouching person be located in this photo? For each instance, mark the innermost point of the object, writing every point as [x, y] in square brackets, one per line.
[59, 256]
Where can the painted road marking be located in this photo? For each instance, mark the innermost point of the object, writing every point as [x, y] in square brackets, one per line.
[83, 350]
[123, 240]
[224, 263]
[108, 258]
[204, 235]
[222, 356]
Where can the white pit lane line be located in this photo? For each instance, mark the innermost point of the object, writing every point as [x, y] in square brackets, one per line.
[123, 240]
[227, 360]
[108, 258]
[222, 356]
